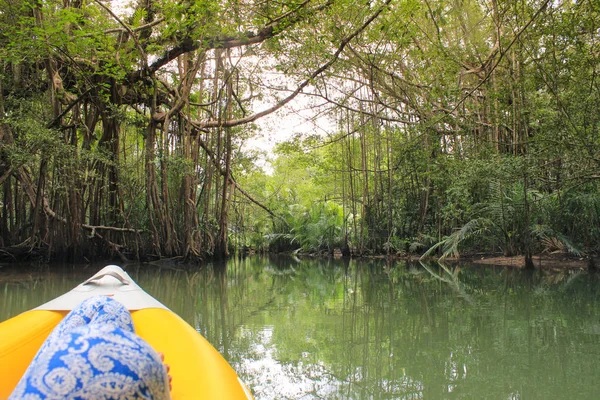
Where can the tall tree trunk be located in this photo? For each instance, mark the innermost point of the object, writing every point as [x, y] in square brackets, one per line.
[152, 195]
[221, 248]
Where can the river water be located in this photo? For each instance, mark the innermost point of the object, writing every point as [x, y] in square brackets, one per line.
[308, 329]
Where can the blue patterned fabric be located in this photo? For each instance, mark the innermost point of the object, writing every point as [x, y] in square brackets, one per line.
[94, 354]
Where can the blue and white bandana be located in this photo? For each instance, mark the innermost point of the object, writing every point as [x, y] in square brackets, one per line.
[94, 354]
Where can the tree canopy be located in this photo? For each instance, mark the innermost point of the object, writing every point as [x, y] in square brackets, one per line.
[456, 123]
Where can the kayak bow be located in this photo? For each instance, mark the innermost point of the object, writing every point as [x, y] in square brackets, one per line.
[199, 371]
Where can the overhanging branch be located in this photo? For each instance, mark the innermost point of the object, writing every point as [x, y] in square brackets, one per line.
[189, 44]
[344, 43]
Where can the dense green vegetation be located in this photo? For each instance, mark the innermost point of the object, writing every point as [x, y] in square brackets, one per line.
[456, 125]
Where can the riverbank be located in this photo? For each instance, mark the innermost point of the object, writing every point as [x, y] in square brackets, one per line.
[554, 261]
[546, 261]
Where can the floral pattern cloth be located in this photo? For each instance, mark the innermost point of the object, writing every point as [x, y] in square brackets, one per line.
[94, 354]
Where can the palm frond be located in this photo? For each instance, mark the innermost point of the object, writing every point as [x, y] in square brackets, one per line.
[450, 244]
[553, 241]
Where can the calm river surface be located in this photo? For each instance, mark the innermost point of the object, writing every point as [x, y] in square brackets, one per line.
[363, 330]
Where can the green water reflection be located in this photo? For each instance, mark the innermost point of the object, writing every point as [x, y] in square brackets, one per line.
[366, 330]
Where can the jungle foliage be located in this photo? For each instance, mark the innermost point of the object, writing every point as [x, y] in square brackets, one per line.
[456, 125]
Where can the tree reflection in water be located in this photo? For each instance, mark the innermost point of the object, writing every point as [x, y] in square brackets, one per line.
[340, 329]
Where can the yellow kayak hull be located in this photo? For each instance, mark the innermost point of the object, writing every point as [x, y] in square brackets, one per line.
[199, 371]
[20, 339]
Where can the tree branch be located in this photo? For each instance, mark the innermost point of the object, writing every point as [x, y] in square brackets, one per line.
[219, 168]
[128, 29]
[303, 84]
[227, 42]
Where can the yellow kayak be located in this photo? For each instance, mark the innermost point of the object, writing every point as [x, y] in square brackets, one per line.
[199, 371]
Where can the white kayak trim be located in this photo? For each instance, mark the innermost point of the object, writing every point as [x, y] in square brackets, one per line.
[110, 281]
